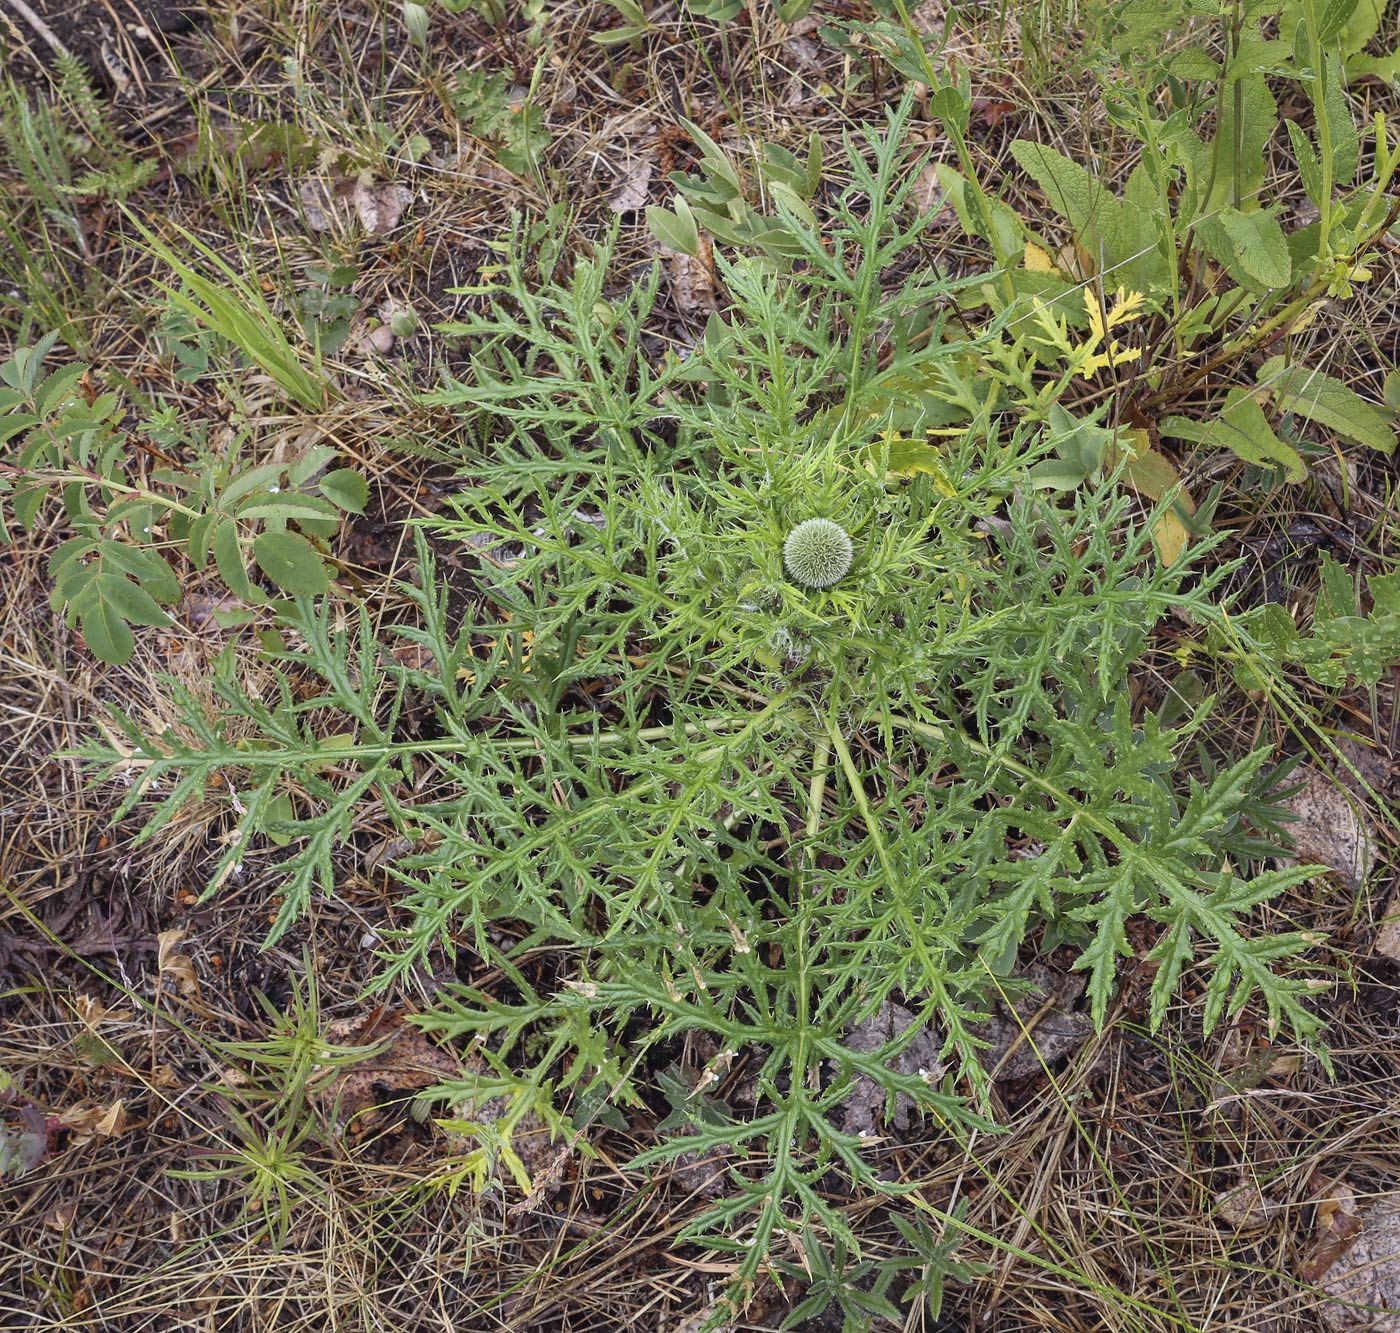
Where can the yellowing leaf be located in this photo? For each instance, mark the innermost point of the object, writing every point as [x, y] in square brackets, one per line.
[1170, 537]
[1035, 260]
[1126, 306]
[1153, 475]
[908, 458]
[1106, 360]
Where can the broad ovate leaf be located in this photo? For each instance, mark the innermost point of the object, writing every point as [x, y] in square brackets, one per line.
[105, 629]
[676, 230]
[346, 489]
[1082, 448]
[291, 562]
[1259, 247]
[1093, 213]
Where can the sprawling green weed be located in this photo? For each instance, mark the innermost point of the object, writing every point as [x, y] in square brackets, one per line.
[730, 801]
[270, 1093]
[61, 154]
[510, 122]
[59, 443]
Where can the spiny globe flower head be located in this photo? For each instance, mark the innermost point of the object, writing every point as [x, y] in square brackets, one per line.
[817, 553]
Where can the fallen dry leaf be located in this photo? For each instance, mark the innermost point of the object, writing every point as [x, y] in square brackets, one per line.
[692, 278]
[416, 657]
[1338, 1223]
[376, 341]
[991, 110]
[113, 1122]
[1329, 828]
[631, 192]
[407, 1064]
[318, 203]
[1246, 1208]
[863, 1111]
[1039, 1029]
[87, 1123]
[1151, 474]
[928, 194]
[1373, 765]
[327, 204]
[200, 610]
[380, 206]
[92, 1012]
[177, 965]
[1363, 1280]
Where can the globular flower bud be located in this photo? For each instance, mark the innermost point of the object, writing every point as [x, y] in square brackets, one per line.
[817, 553]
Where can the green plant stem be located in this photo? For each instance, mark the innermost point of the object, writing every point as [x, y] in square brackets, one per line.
[816, 793]
[1386, 161]
[284, 757]
[965, 162]
[930, 969]
[1154, 157]
[74, 473]
[1317, 90]
[1251, 340]
[1236, 29]
[816, 789]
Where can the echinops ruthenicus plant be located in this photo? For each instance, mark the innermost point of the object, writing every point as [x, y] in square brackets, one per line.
[817, 553]
[729, 772]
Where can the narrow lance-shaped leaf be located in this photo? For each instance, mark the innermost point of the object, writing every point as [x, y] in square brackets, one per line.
[1243, 429]
[1321, 398]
